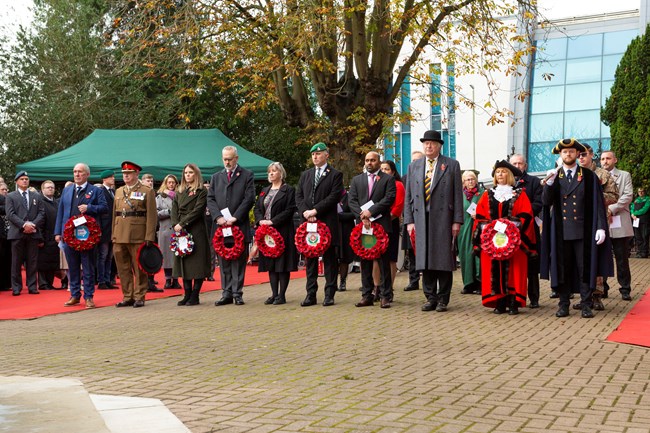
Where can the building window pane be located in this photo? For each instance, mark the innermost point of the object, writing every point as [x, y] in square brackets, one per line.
[585, 46]
[582, 124]
[583, 70]
[617, 42]
[540, 157]
[582, 97]
[610, 63]
[606, 91]
[547, 99]
[604, 131]
[551, 49]
[549, 73]
[545, 127]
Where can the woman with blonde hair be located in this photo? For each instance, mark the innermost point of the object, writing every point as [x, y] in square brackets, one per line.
[164, 199]
[188, 210]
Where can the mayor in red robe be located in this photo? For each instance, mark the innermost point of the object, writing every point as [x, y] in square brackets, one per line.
[504, 282]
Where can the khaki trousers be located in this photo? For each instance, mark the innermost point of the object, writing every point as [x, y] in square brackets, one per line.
[126, 259]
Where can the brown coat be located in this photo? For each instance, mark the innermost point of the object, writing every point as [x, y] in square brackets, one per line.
[134, 229]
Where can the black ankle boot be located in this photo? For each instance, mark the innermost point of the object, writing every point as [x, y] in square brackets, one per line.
[186, 298]
[194, 297]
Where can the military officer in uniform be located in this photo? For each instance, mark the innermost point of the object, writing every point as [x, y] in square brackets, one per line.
[134, 222]
[575, 247]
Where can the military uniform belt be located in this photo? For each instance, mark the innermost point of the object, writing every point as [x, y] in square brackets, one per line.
[130, 214]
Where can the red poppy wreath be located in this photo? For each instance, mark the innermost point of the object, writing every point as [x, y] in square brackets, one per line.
[369, 247]
[228, 253]
[500, 244]
[82, 237]
[269, 241]
[313, 244]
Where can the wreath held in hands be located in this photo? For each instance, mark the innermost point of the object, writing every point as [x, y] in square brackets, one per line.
[182, 243]
[228, 252]
[313, 244]
[82, 237]
[269, 241]
[369, 247]
[503, 243]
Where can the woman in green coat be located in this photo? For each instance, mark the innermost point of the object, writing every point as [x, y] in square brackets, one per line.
[188, 210]
[469, 264]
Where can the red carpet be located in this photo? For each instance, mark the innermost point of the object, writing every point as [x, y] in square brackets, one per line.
[50, 302]
[634, 327]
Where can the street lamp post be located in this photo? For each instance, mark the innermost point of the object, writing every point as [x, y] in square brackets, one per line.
[473, 128]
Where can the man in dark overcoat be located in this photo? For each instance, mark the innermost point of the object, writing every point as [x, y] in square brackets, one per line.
[575, 247]
[317, 197]
[48, 251]
[434, 209]
[105, 246]
[230, 199]
[26, 214]
[374, 191]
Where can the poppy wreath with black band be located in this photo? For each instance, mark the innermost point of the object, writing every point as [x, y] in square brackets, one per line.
[83, 237]
[181, 249]
[369, 247]
[269, 241]
[313, 244]
[500, 245]
[228, 252]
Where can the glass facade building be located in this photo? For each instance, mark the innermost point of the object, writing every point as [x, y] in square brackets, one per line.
[572, 77]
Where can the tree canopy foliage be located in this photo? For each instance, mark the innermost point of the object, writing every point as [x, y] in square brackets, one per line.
[68, 74]
[627, 110]
[335, 67]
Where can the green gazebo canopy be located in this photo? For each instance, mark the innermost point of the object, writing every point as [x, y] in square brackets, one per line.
[159, 152]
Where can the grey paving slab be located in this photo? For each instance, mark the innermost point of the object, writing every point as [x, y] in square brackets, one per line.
[258, 368]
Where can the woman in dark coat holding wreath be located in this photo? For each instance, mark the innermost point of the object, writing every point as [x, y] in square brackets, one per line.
[188, 209]
[504, 281]
[275, 207]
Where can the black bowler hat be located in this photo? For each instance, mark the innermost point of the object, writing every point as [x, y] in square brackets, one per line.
[505, 164]
[432, 136]
[569, 143]
[150, 258]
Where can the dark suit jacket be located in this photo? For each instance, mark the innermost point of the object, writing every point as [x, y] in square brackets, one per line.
[326, 197]
[532, 186]
[238, 196]
[17, 214]
[106, 219]
[383, 196]
[91, 196]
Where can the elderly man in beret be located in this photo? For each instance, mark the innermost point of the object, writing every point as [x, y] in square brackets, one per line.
[317, 198]
[575, 246]
[434, 210]
[134, 222]
[26, 216]
[105, 247]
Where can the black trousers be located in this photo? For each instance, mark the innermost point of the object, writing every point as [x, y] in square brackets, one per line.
[414, 276]
[437, 285]
[573, 266]
[642, 236]
[24, 250]
[330, 262]
[367, 282]
[621, 247]
[533, 279]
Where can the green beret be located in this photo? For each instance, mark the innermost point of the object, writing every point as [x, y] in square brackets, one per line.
[107, 173]
[569, 143]
[318, 147]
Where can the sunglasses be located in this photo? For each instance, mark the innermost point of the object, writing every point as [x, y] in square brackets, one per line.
[583, 155]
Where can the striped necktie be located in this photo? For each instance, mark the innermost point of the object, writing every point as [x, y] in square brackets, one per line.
[427, 180]
[25, 199]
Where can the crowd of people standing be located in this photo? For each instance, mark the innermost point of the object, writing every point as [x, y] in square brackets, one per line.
[567, 228]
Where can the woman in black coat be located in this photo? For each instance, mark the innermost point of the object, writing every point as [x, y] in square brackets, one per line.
[275, 207]
[346, 254]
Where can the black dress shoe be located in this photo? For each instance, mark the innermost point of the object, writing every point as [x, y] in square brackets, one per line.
[128, 303]
[154, 290]
[239, 301]
[16, 292]
[342, 287]
[385, 303]
[598, 305]
[467, 290]
[223, 301]
[587, 313]
[534, 305]
[280, 300]
[102, 286]
[309, 301]
[577, 306]
[429, 306]
[411, 287]
[554, 294]
[441, 307]
[499, 310]
[33, 292]
[626, 296]
[209, 279]
[562, 312]
[138, 304]
[514, 310]
[269, 300]
[328, 302]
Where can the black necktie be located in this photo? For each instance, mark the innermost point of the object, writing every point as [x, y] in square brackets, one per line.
[78, 191]
[25, 199]
[569, 176]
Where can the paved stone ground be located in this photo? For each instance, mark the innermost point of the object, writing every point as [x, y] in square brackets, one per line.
[258, 368]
